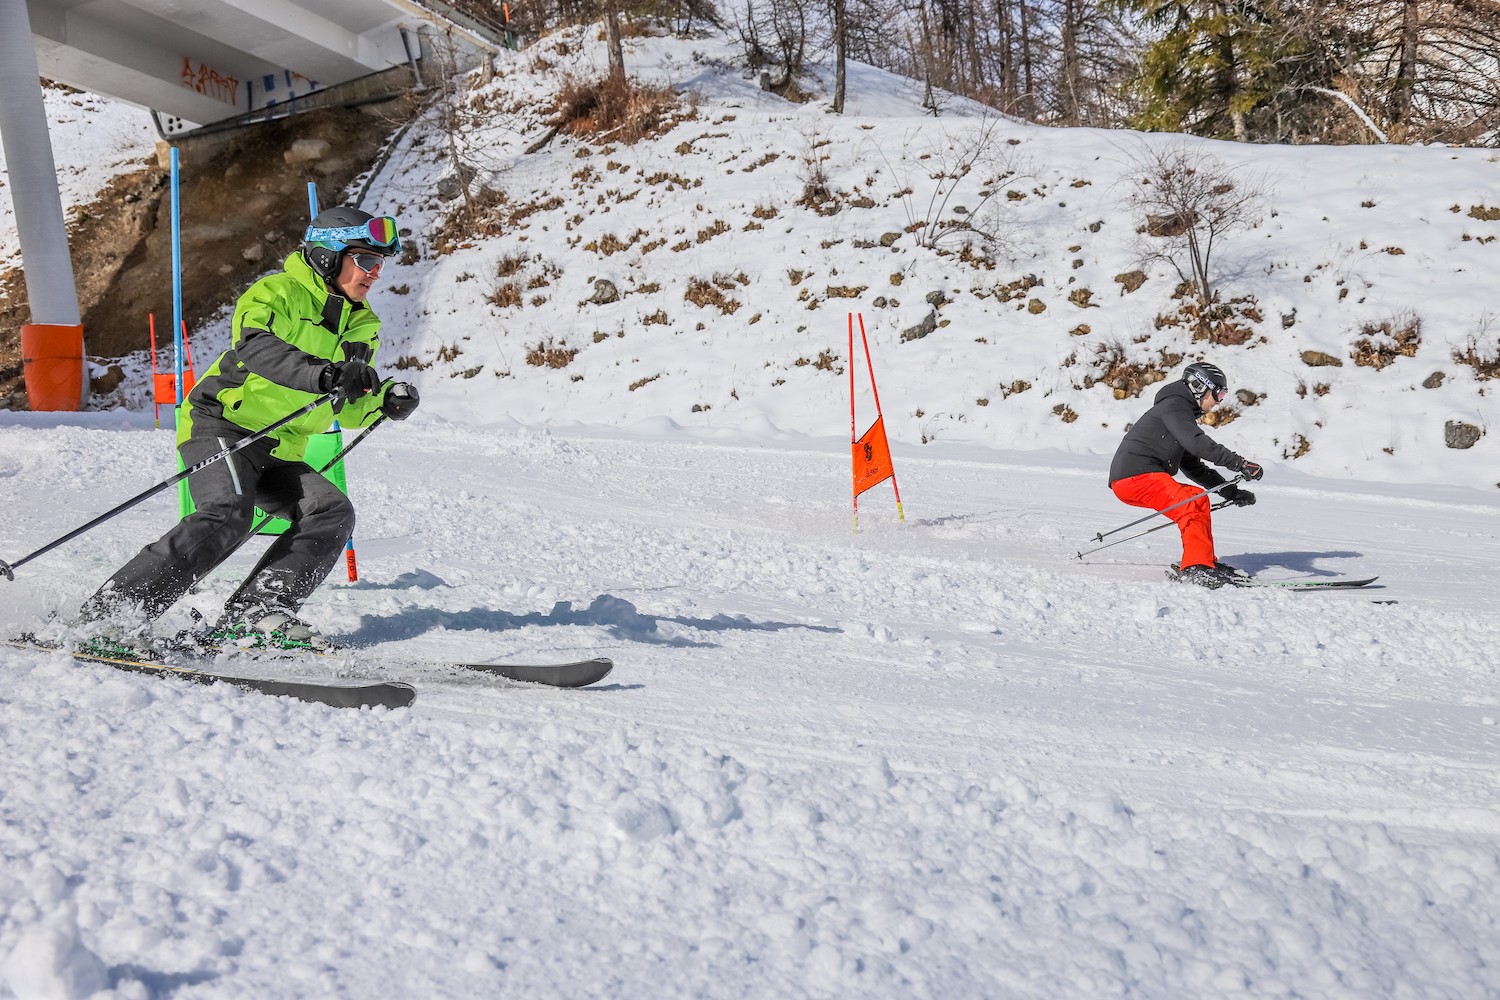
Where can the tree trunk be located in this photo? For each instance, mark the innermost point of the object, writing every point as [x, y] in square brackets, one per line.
[1027, 103]
[1072, 83]
[616, 46]
[840, 53]
[1009, 89]
[1406, 66]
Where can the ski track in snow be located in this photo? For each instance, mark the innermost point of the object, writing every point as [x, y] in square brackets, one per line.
[944, 758]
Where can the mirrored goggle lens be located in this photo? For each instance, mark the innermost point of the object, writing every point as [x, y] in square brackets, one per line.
[368, 262]
[1219, 394]
[382, 231]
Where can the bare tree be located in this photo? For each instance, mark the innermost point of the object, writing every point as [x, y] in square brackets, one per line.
[962, 178]
[1191, 202]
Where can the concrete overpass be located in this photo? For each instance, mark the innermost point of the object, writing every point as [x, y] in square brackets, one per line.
[193, 63]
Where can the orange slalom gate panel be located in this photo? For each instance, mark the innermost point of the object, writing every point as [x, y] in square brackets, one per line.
[872, 458]
[166, 386]
[52, 366]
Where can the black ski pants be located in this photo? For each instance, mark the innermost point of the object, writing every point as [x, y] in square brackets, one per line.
[225, 495]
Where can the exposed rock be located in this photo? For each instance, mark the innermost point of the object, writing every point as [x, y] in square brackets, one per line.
[1434, 380]
[922, 329]
[1130, 280]
[1461, 435]
[887, 239]
[1317, 359]
[605, 292]
[306, 151]
[1036, 306]
[254, 252]
[937, 299]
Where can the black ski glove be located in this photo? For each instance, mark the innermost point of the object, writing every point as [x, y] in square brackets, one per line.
[401, 400]
[1237, 496]
[1251, 470]
[349, 379]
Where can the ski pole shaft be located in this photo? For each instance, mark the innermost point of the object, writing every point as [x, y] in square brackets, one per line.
[1138, 534]
[8, 569]
[1142, 520]
[335, 460]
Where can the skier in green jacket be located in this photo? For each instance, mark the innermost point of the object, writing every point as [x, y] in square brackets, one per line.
[300, 333]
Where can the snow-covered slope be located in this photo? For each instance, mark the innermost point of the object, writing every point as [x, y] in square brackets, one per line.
[941, 759]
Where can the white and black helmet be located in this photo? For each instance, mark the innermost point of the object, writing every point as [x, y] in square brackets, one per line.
[1201, 376]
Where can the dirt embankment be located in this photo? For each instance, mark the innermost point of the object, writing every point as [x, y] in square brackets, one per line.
[243, 205]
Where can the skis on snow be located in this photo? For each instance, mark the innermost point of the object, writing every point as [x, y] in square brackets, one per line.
[1249, 582]
[1336, 584]
[336, 693]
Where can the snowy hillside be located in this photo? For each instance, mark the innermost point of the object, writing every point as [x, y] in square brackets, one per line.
[729, 297]
[1350, 237]
[940, 758]
[93, 139]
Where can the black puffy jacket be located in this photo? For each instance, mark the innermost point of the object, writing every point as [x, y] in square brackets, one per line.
[1167, 438]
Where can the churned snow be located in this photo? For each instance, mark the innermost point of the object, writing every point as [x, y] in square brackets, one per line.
[938, 758]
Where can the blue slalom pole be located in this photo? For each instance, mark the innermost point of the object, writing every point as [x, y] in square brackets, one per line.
[176, 282]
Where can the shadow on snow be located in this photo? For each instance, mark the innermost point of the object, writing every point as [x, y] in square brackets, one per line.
[616, 615]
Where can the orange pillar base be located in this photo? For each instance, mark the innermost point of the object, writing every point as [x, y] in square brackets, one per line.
[52, 363]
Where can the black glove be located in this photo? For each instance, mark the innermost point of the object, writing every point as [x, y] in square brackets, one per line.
[1237, 496]
[401, 400]
[349, 379]
[1251, 470]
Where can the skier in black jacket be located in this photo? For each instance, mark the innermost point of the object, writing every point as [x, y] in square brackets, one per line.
[1168, 438]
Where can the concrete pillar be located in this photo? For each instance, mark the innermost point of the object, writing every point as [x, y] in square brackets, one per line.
[52, 346]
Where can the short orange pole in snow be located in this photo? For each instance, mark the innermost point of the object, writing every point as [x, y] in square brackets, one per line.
[52, 366]
[871, 452]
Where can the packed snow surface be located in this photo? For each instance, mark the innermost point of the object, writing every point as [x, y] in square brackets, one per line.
[939, 758]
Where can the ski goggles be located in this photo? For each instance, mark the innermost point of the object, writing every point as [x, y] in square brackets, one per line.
[1219, 394]
[379, 231]
[368, 262]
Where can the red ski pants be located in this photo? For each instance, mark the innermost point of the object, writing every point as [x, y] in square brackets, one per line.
[1157, 490]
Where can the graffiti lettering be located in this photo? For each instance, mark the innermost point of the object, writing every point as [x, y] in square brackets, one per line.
[209, 82]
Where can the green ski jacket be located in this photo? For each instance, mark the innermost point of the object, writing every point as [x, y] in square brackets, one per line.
[288, 327]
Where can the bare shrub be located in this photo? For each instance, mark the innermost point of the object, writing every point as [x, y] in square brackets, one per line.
[703, 293]
[817, 191]
[1192, 201]
[1482, 353]
[550, 354]
[1384, 342]
[616, 109]
[971, 167]
[516, 274]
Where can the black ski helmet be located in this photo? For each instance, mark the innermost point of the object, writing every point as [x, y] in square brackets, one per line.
[1201, 376]
[324, 254]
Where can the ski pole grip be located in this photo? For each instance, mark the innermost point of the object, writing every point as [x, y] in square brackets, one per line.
[10, 574]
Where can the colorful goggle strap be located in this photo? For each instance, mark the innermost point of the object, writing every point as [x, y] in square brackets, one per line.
[380, 231]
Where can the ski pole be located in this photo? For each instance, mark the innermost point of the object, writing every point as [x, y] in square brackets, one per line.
[1142, 520]
[8, 569]
[335, 460]
[261, 523]
[1138, 534]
